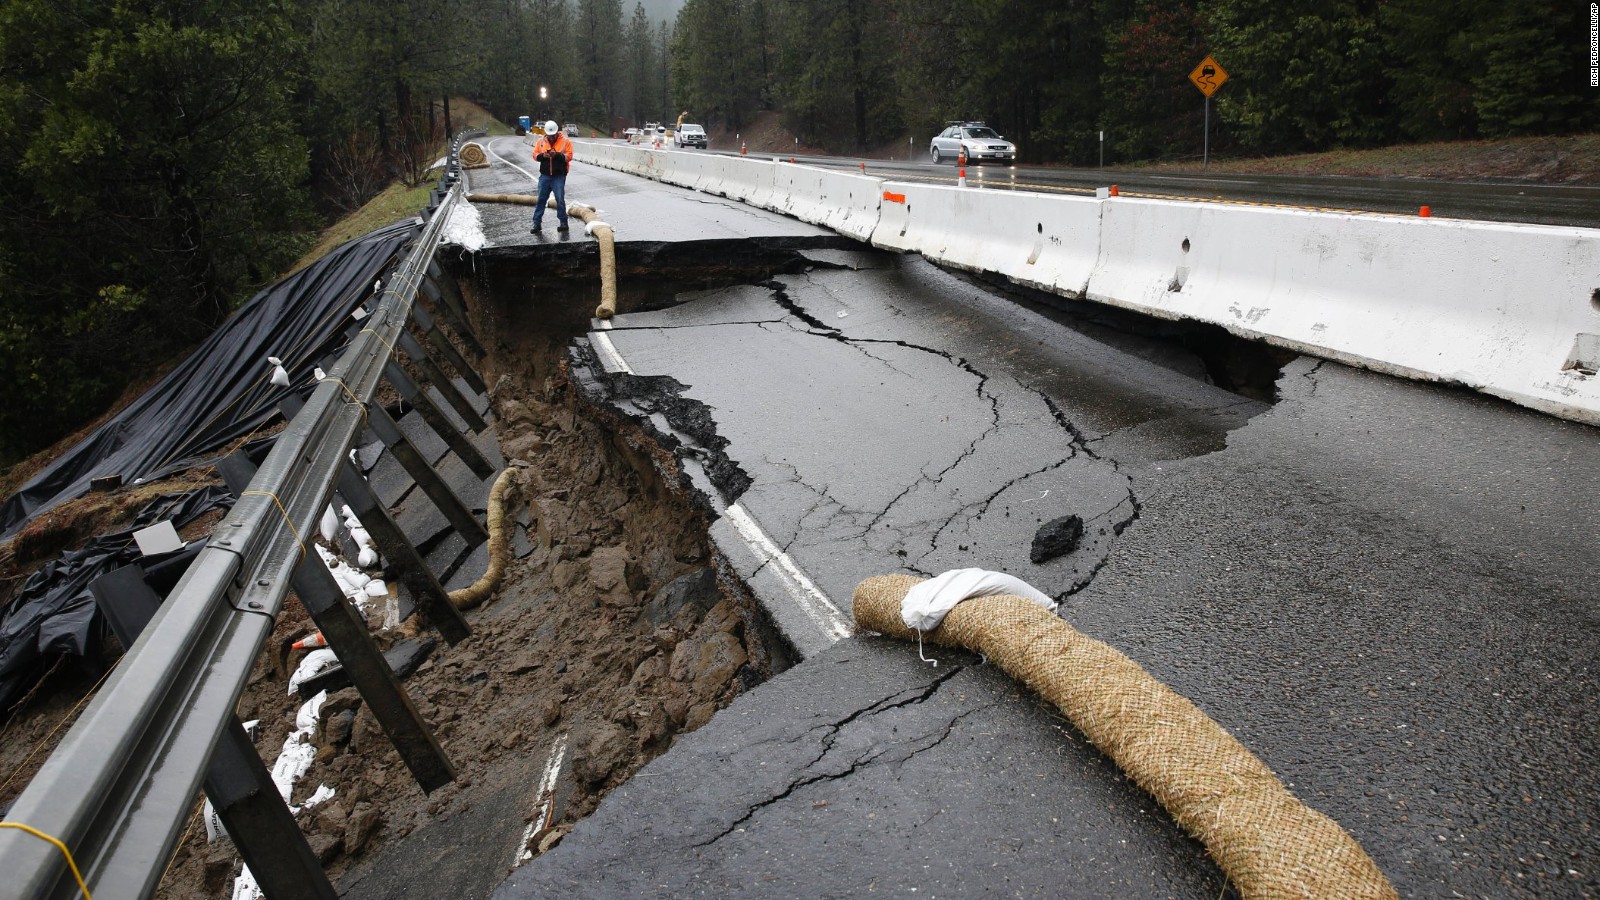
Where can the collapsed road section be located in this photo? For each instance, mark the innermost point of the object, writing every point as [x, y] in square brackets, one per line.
[1352, 574]
[868, 414]
[753, 349]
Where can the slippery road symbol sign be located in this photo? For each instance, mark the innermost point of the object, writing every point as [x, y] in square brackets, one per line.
[1208, 76]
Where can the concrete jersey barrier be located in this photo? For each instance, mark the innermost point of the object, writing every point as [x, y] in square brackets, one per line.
[1500, 308]
[1509, 310]
[1050, 243]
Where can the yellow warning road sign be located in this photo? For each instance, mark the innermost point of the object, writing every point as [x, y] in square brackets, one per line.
[1208, 76]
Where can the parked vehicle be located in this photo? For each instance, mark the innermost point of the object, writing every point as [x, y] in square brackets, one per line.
[571, 128]
[631, 134]
[689, 136]
[982, 144]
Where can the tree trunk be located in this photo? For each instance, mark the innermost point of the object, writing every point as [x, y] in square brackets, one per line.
[449, 130]
[858, 70]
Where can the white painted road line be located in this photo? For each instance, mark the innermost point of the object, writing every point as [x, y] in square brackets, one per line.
[609, 357]
[544, 799]
[812, 601]
[488, 145]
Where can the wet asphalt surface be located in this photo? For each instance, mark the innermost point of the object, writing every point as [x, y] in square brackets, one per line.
[1382, 588]
[1499, 201]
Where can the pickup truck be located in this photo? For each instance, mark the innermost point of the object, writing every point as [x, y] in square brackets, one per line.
[689, 136]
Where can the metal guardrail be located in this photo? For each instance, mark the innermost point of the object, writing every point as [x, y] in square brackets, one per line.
[120, 785]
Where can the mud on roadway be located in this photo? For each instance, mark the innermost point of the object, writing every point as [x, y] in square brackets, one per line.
[616, 629]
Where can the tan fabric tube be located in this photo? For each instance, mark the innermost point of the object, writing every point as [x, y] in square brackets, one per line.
[499, 548]
[1269, 844]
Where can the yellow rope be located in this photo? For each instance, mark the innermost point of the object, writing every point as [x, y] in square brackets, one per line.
[59, 846]
[352, 395]
[285, 513]
[380, 340]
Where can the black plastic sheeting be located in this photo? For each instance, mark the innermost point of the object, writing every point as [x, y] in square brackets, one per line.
[221, 392]
[54, 614]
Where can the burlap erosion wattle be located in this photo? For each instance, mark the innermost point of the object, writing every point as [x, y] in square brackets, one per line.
[1268, 843]
[499, 548]
[473, 157]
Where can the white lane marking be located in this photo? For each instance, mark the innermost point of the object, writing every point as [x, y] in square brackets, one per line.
[489, 146]
[609, 357]
[806, 595]
[545, 799]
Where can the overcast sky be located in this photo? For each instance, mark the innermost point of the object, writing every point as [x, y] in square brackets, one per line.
[657, 10]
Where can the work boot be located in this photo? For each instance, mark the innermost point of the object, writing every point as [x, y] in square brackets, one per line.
[536, 228]
[562, 228]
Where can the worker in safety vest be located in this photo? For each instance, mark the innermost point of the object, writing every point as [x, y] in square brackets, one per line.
[553, 153]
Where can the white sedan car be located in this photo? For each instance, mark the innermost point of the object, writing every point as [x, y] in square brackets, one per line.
[983, 144]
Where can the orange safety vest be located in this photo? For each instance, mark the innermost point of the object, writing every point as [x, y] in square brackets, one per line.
[559, 144]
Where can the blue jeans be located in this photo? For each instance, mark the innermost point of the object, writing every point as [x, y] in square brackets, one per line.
[547, 184]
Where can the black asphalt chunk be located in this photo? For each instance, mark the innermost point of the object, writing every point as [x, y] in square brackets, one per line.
[444, 558]
[470, 569]
[403, 658]
[1054, 538]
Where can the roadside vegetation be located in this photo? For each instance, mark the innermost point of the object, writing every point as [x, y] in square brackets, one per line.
[850, 76]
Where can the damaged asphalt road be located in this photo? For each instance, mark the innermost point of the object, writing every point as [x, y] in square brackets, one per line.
[882, 419]
[947, 781]
[1382, 588]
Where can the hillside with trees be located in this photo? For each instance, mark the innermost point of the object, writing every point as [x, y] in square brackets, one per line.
[168, 159]
[850, 75]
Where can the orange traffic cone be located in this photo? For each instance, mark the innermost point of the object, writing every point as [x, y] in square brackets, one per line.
[742, 150]
[310, 642]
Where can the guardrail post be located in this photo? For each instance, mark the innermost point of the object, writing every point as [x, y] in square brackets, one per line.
[346, 631]
[269, 839]
[436, 418]
[454, 313]
[341, 623]
[237, 781]
[424, 320]
[392, 543]
[441, 382]
[455, 511]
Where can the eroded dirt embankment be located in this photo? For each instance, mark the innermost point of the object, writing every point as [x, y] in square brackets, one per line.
[615, 630]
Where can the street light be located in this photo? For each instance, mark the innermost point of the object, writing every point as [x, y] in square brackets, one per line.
[544, 92]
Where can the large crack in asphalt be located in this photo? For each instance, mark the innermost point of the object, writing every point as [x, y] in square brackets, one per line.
[913, 543]
[664, 395]
[1078, 440]
[815, 326]
[895, 754]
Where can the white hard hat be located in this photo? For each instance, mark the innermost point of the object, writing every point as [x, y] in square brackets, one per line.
[551, 127]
